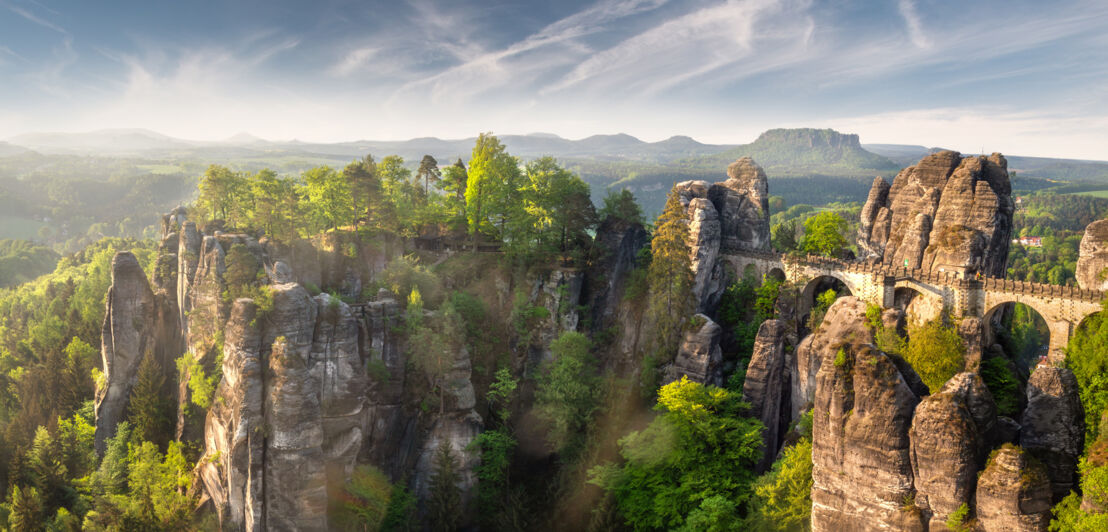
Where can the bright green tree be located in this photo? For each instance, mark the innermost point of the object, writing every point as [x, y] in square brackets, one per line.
[557, 209]
[782, 497]
[700, 446]
[223, 195]
[492, 187]
[328, 195]
[824, 234]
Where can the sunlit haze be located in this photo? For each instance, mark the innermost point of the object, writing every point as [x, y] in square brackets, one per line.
[1023, 77]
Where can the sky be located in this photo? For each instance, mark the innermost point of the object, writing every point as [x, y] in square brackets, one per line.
[1019, 77]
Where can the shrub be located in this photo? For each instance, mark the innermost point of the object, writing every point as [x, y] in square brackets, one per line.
[935, 351]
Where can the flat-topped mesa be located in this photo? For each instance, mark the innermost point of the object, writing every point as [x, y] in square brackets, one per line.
[947, 212]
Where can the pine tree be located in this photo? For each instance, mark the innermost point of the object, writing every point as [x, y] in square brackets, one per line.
[444, 506]
[149, 410]
[670, 275]
[26, 510]
[428, 172]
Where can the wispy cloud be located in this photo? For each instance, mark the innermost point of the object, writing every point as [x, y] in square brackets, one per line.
[34, 18]
[354, 60]
[907, 10]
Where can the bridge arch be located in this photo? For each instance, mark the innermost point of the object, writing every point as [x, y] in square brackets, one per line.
[919, 302]
[1024, 331]
[818, 285]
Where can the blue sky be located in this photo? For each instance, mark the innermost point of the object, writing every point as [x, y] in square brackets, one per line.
[1021, 77]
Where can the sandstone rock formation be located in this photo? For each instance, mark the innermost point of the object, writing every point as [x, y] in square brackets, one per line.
[699, 356]
[1093, 258]
[766, 387]
[296, 411]
[311, 386]
[743, 205]
[1053, 428]
[1013, 493]
[615, 250]
[727, 216]
[949, 437]
[846, 318]
[945, 212]
[861, 465]
[129, 335]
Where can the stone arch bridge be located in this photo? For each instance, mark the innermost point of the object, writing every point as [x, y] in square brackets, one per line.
[1062, 307]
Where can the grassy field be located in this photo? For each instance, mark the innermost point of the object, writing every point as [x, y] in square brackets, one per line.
[18, 227]
[1094, 193]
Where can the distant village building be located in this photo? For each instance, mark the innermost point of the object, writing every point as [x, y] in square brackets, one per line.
[1029, 241]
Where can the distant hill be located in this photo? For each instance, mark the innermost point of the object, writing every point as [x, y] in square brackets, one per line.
[797, 152]
[7, 150]
[106, 141]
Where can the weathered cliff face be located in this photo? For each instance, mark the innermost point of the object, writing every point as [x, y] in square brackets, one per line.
[129, 334]
[945, 212]
[767, 389]
[1053, 428]
[726, 216]
[861, 466]
[613, 256]
[699, 356]
[311, 386]
[950, 434]
[844, 319]
[1013, 493]
[457, 427]
[743, 204]
[1093, 259]
[296, 411]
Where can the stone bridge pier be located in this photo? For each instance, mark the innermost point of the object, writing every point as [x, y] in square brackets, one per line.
[1062, 307]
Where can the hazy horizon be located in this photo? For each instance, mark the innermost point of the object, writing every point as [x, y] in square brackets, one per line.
[1015, 77]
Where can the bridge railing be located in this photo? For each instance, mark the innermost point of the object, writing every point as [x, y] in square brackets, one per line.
[949, 278]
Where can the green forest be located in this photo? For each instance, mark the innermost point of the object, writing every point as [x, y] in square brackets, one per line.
[625, 454]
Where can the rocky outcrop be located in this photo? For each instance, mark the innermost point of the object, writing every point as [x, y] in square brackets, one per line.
[844, 319]
[457, 427]
[947, 211]
[699, 356]
[129, 335]
[704, 244]
[1053, 425]
[766, 388]
[613, 257]
[289, 418]
[1093, 259]
[727, 216]
[1013, 493]
[743, 205]
[875, 213]
[861, 465]
[949, 437]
